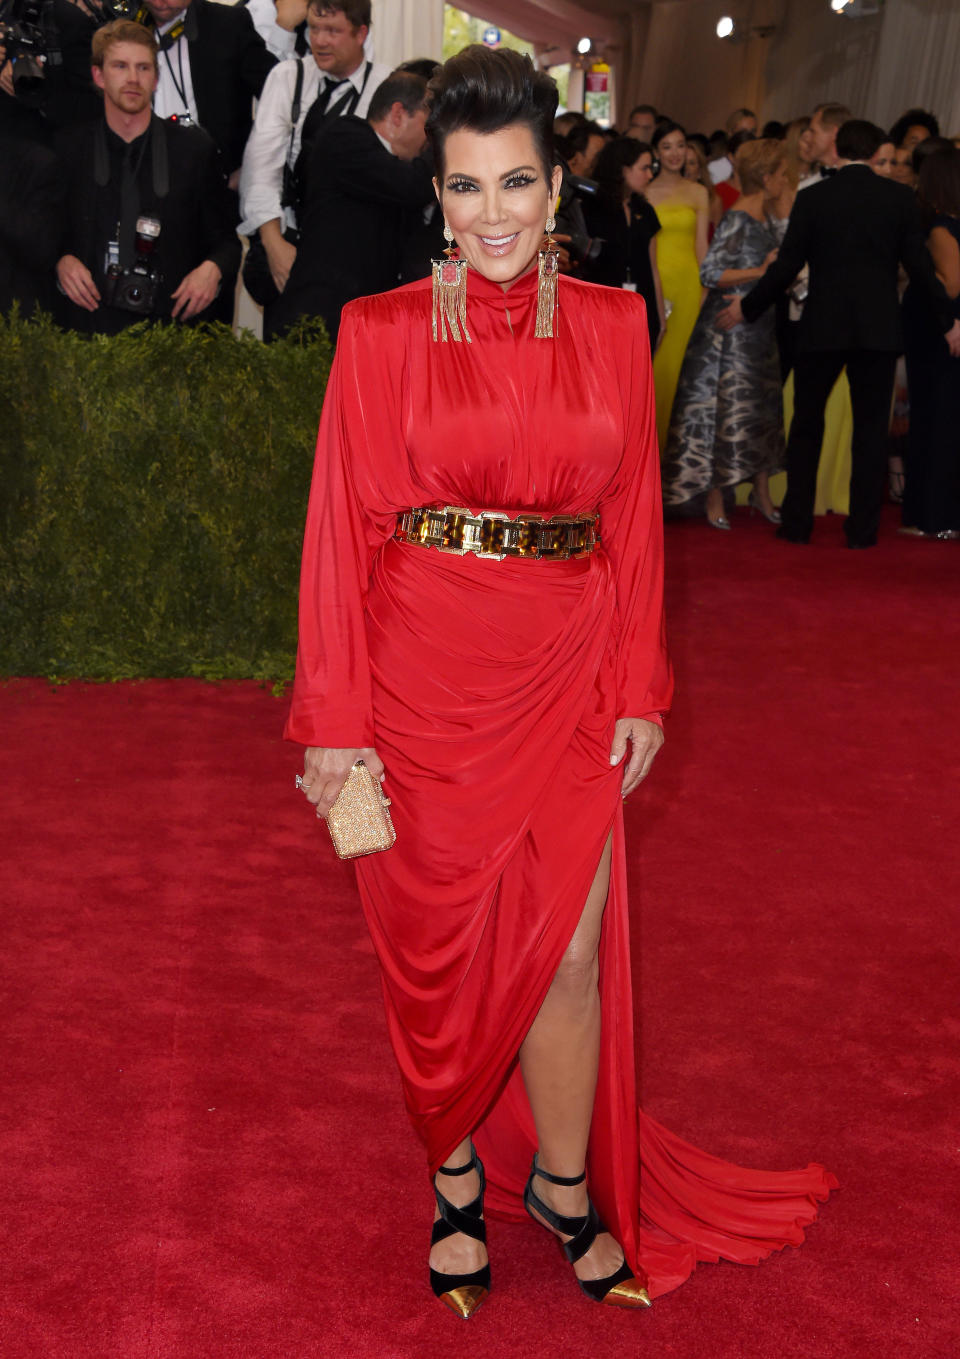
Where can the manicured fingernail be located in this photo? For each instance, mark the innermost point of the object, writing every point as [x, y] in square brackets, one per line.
[614, 759]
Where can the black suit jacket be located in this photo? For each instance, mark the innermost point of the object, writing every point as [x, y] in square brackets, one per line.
[197, 218]
[358, 204]
[30, 194]
[228, 64]
[853, 230]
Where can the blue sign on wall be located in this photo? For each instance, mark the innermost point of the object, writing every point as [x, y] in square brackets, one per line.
[491, 36]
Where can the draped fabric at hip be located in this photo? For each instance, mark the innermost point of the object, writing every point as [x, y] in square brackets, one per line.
[490, 689]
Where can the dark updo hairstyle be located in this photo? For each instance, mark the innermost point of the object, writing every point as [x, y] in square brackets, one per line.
[663, 129]
[485, 90]
[616, 157]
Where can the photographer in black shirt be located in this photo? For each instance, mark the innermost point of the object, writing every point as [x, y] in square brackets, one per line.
[149, 221]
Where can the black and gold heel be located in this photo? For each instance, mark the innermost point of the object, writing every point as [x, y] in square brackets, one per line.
[620, 1289]
[462, 1293]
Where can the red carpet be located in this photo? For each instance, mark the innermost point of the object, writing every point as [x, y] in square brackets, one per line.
[204, 1150]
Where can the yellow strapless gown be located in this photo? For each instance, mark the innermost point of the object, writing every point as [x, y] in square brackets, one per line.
[680, 277]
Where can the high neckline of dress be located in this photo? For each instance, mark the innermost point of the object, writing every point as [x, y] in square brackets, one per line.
[482, 288]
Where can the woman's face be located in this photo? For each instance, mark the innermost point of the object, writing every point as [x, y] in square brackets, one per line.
[882, 162]
[916, 134]
[902, 168]
[637, 176]
[691, 165]
[672, 150]
[805, 146]
[495, 199]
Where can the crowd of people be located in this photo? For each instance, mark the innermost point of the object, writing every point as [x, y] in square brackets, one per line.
[135, 168]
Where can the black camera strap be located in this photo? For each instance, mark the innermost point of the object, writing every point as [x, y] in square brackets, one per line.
[295, 107]
[129, 179]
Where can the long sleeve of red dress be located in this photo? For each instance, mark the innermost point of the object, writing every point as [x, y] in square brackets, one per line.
[490, 690]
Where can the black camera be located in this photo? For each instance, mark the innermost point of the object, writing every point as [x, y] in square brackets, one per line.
[135, 289]
[25, 34]
[30, 35]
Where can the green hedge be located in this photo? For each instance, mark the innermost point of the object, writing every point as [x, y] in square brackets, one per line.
[152, 495]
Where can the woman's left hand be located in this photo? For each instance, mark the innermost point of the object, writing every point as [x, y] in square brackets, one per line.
[645, 739]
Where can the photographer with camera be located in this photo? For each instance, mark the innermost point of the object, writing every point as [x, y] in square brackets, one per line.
[149, 222]
[45, 64]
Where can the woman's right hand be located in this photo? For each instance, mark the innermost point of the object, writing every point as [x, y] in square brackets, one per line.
[325, 771]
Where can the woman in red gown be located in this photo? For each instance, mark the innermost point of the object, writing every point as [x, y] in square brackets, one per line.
[512, 703]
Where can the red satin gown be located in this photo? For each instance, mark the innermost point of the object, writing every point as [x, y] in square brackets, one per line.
[490, 690]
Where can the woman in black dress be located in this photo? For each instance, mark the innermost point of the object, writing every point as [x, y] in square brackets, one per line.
[931, 499]
[625, 226]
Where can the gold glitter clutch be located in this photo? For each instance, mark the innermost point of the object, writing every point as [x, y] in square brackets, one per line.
[359, 820]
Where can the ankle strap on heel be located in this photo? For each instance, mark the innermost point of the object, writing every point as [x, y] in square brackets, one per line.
[567, 1182]
[460, 1170]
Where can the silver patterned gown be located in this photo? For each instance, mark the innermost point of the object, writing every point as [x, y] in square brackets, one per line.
[727, 422]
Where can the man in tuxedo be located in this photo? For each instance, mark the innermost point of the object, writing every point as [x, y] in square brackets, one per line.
[825, 122]
[148, 227]
[331, 80]
[213, 64]
[853, 230]
[366, 178]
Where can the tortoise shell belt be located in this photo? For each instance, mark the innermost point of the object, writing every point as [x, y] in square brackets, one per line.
[498, 535]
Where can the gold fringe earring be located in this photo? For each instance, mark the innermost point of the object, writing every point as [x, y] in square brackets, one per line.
[450, 294]
[548, 267]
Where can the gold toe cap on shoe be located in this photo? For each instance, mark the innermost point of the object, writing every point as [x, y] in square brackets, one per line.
[630, 1293]
[465, 1301]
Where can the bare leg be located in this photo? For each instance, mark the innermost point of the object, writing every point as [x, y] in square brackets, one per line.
[714, 506]
[559, 1060]
[458, 1254]
[761, 491]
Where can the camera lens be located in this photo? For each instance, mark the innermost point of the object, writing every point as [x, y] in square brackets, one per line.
[135, 293]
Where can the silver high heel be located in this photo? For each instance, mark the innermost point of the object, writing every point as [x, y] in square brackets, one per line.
[721, 522]
[773, 518]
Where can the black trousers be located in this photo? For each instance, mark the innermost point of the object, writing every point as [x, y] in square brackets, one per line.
[870, 374]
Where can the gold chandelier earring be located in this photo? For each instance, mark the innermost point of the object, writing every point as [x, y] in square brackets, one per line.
[450, 293]
[548, 267]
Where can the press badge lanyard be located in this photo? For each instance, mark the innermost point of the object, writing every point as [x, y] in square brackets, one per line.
[172, 36]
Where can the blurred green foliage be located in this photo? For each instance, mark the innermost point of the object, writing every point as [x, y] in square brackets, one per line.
[153, 487]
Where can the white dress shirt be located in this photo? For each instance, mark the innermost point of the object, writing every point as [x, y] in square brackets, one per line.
[278, 40]
[261, 176]
[174, 92]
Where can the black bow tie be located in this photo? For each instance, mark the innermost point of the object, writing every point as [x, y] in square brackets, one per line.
[827, 170]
